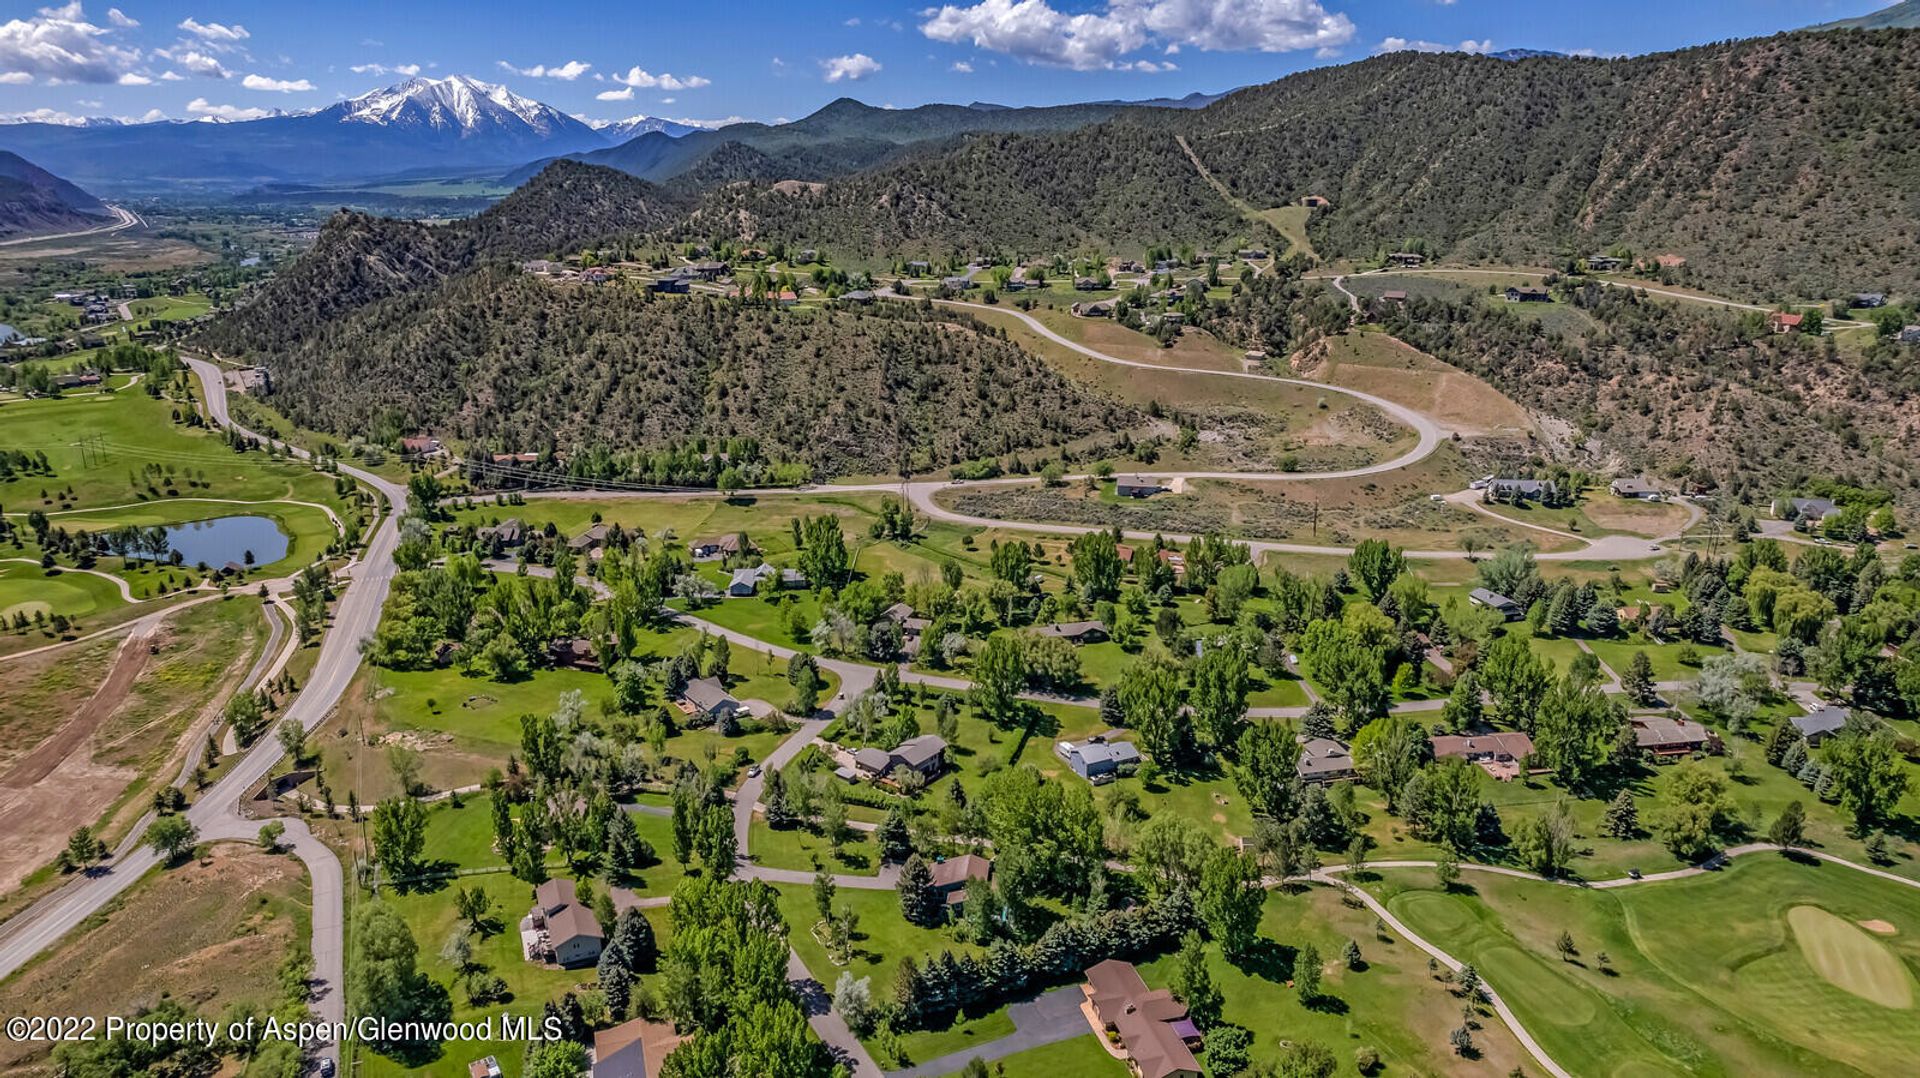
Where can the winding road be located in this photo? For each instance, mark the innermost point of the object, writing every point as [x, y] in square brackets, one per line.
[217, 812]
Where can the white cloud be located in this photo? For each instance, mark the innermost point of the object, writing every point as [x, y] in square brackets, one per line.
[16, 78]
[644, 80]
[961, 67]
[89, 104]
[277, 86]
[121, 19]
[624, 93]
[42, 116]
[855, 21]
[566, 72]
[409, 70]
[196, 62]
[850, 68]
[172, 76]
[58, 43]
[1401, 44]
[213, 31]
[1034, 31]
[200, 106]
[134, 78]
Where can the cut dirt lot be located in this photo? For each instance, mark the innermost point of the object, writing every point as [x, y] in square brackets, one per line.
[86, 756]
[230, 922]
[1373, 362]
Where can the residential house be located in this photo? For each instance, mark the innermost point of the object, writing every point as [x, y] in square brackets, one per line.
[1165, 265]
[1527, 490]
[1174, 560]
[709, 271]
[1086, 284]
[253, 381]
[1397, 297]
[706, 701]
[1528, 294]
[1096, 309]
[1634, 487]
[633, 1049]
[1153, 1026]
[1077, 632]
[1604, 263]
[592, 539]
[672, 286]
[1324, 760]
[1669, 261]
[1663, 736]
[1785, 321]
[808, 257]
[919, 269]
[956, 284]
[1811, 510]
[1096, 759]
[574, 654]
[509, 532]
[484, 1067]
[722, 546]
[1136, 486]
[1910, 335]
[10, 335]
[926, 754]
[746, 582]
[1315, 202]
[1131, 265]
[516, 458]
[1406, 259]
[1818, 725]
[1501, 753]
[858, 295]
[1252, 253]
[1493, 600]
[952, 876]
[1869, 299]
[559, 929]
[792, 578]
[421, 445]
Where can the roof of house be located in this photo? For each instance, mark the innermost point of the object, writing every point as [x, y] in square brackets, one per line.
[1786, 318]
[707, 694]
[915, 753]
[1095, 752]
[1633, 485]
[552, 894]
[1529, 486]
[572, 922]
[591, 537]
[633, 1049]
[1142, 1018]
[1653, 731]
[1073, 629]
[1137, 481]
[750, 577]
[1323, 756]
[1812, 507]
[484, 1067]
[898, 612]
[957, 871]
[1490, 598]
[1826, 720]
[1500, 743]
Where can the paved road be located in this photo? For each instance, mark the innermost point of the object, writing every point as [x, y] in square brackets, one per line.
[122, 219]
[217, 813]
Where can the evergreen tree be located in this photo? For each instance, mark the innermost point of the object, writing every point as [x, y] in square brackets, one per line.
[1193, 983]
[918, 902]
[1638, 682]
[895, 843]
[1622, 819]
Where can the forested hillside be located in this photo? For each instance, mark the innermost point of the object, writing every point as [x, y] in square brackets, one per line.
[1781, 167]
[507, 360]
[35, 200]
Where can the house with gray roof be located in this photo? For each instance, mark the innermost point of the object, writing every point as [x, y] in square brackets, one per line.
[926, 754]
[1818, 725]
[706, 700]
[1324, 760]
[1096, 759]
[1493, 600]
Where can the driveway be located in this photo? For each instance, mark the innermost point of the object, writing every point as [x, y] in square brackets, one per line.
[1041, 1021]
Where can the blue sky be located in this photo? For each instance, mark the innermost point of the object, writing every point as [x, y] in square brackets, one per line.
[768, 61]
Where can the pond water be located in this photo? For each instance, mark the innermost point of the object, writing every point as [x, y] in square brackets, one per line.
[228, 539]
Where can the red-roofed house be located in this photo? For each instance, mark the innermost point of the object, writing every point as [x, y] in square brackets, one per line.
[1784, 321]
[1152, 1026]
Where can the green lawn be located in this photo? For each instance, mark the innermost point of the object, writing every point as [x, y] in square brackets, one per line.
[1081, 1057]
[1750, 1003]
[134, 431]
[25, 588]
[802, 850]
[882, 938]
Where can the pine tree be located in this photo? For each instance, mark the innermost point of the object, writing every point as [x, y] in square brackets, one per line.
[896, 844]
[918, 903]
[1306, 974]
[1193, 983]
[1780, 740]
[1638, 684]
[1622, 819]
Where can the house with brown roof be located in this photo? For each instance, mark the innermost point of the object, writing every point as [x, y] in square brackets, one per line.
[1662, 735]
[484, 1067]
[952, 876]
[1324, 760]
[1785, 322]
[1153, 1026]
[633, 1049]
[722, 546]
[559, 930]
[1528, 294]
[592, 539]
[1406, 259]
[1501, 753]
[576, 653]
[1077, 632]
[926, 754]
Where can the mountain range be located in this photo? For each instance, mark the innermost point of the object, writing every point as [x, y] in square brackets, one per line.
[33, 200]
[1904, 15]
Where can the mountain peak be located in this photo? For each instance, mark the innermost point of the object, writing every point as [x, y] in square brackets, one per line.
[459, 103]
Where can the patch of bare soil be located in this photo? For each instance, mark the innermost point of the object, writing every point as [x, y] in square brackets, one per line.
[209, 934]
[1880, 928]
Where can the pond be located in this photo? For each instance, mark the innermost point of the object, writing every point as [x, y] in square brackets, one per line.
[227, 539]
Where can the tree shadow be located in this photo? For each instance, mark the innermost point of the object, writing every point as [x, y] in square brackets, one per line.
[1268, 960]
[1326, 1004]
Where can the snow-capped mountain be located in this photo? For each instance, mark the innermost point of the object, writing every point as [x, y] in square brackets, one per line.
[457, 103]
[617, 131]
